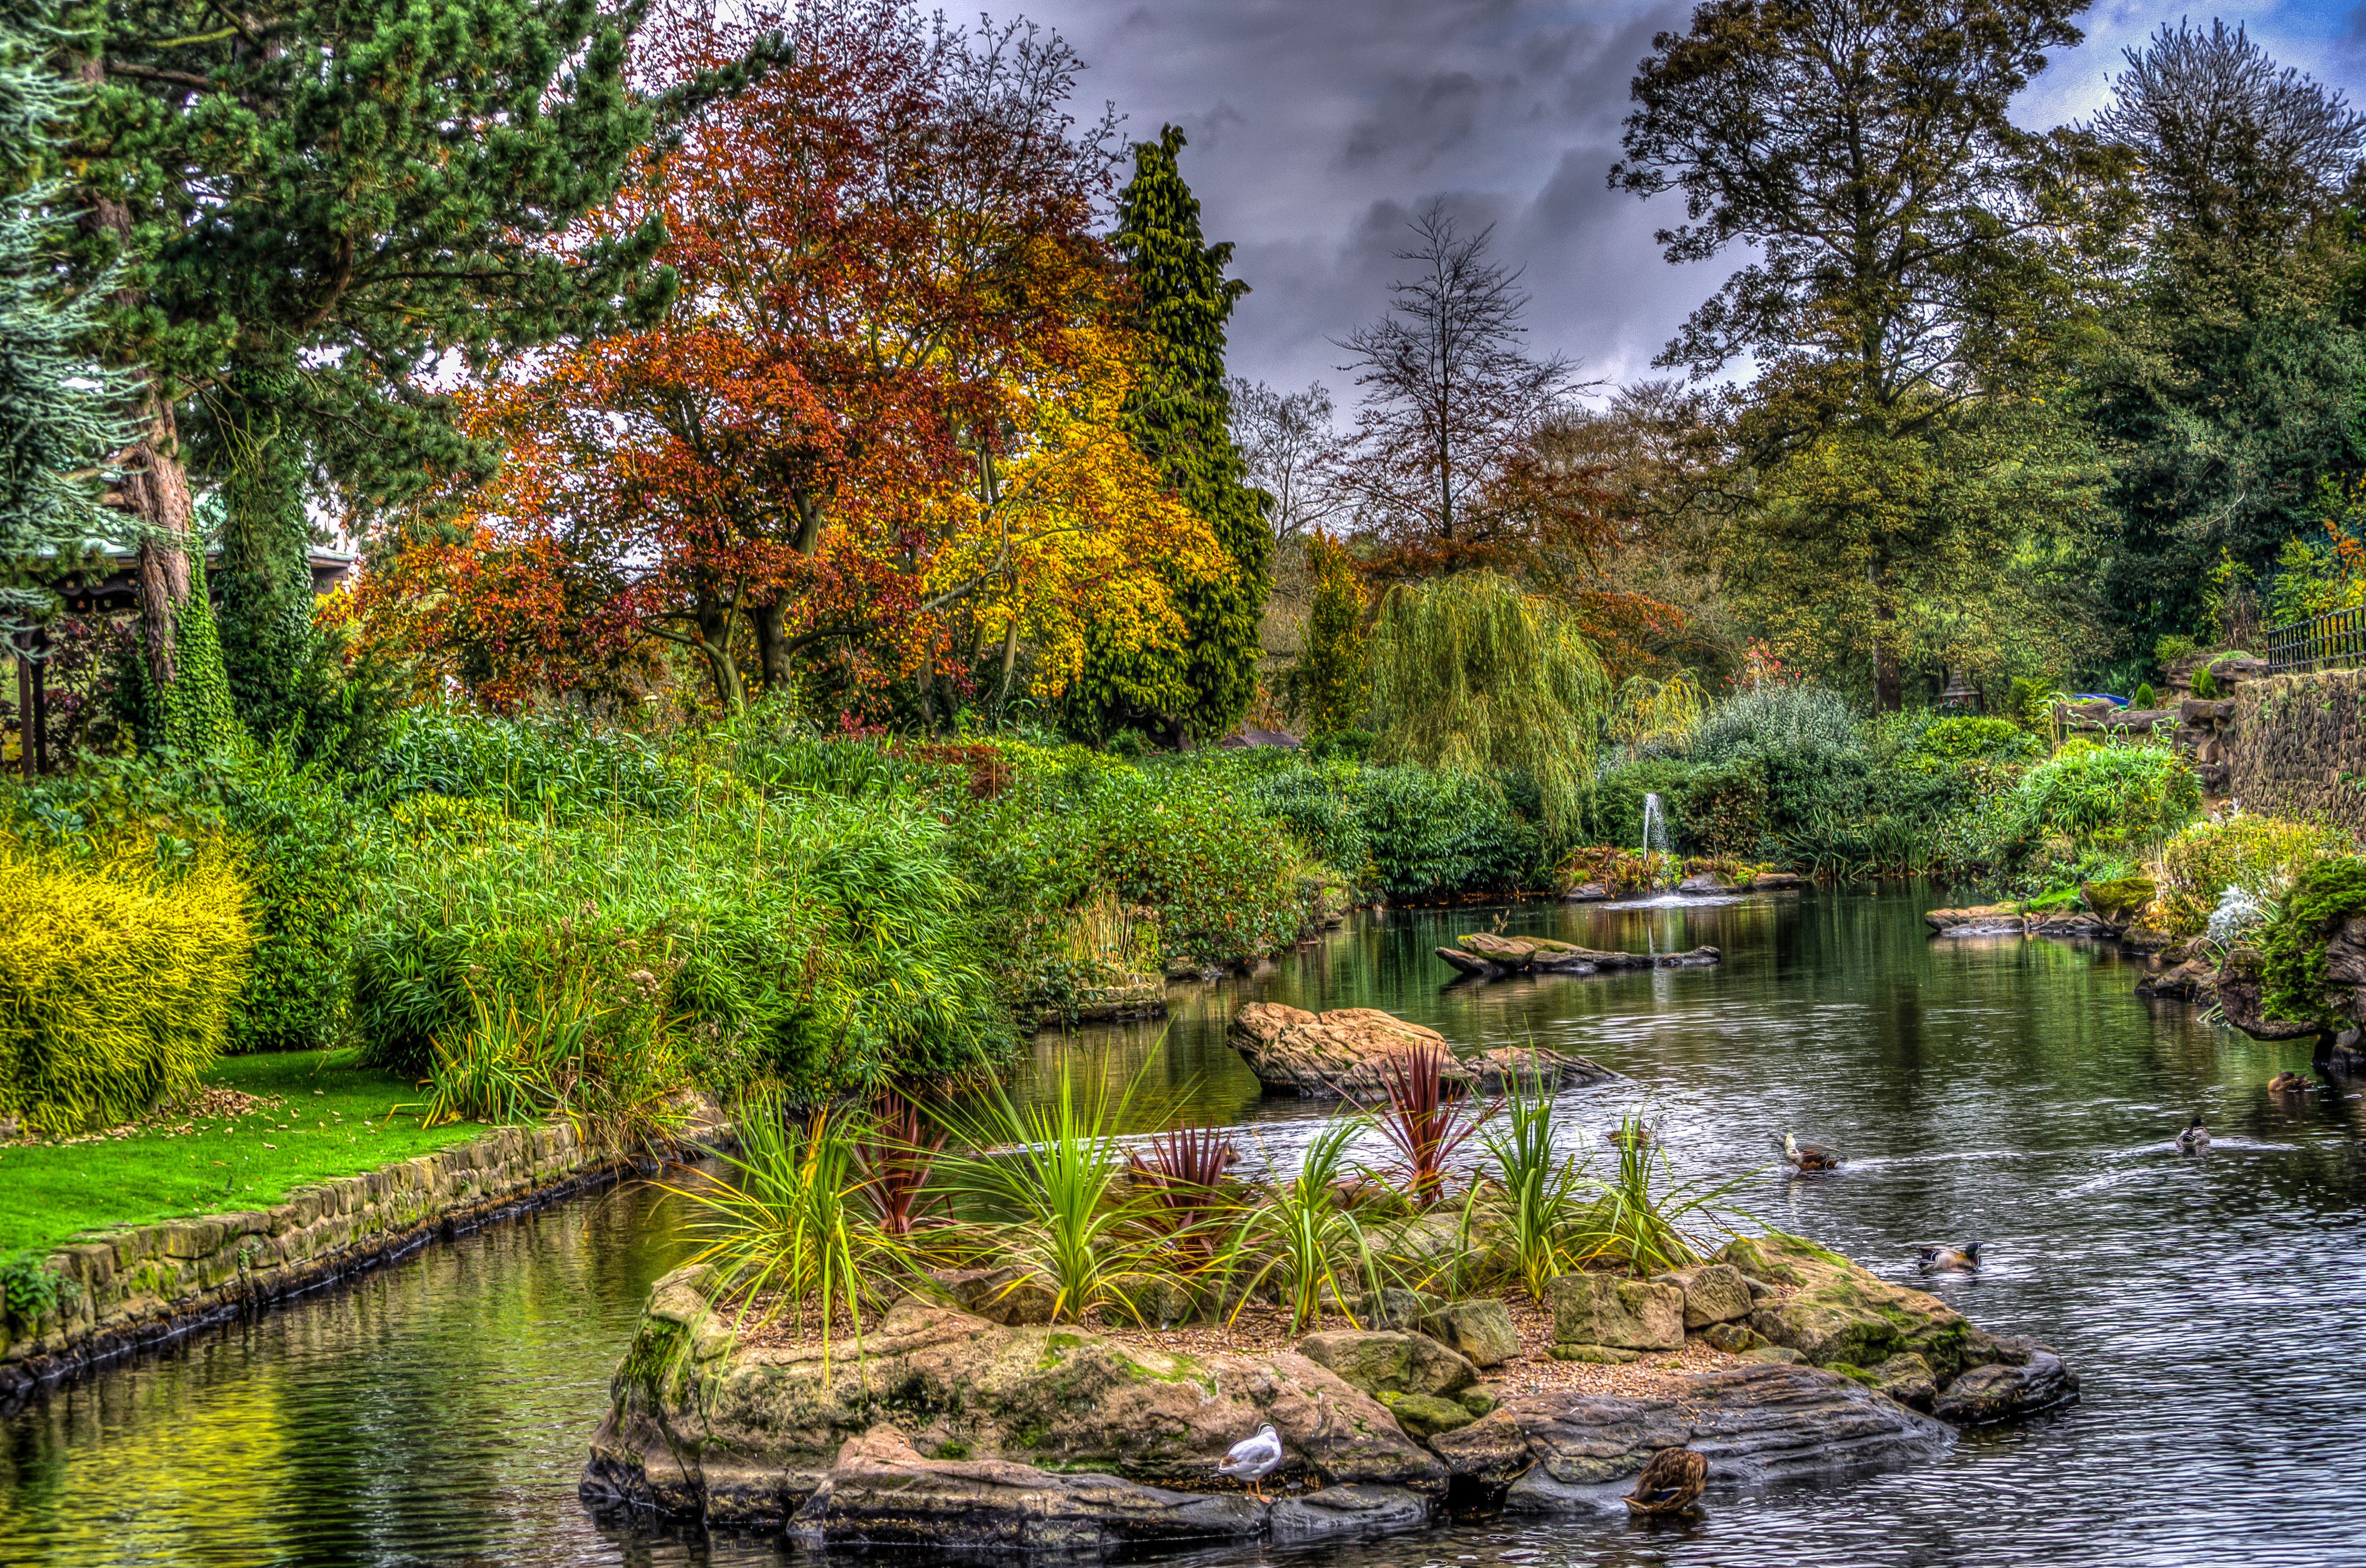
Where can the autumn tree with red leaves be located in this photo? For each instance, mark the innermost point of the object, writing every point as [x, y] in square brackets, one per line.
[868, 425]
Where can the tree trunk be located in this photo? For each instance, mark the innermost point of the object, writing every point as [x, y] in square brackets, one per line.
[155, 491]
[774, 672]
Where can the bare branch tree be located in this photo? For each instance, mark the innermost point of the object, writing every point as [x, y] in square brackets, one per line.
[1290, 445]
[1451, 395]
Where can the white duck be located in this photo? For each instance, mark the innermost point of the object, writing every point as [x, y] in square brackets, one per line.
[1253, 1459]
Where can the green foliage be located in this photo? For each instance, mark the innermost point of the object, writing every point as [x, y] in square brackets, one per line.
[1181, 837]
[117, 980]
[1312, 1246]
[308, 852]
[2109, 797]
[1435, 833]
[2263, 855]
[1657, 713]
[785, 1224]
[2205, 684]
[1643, 1218]
[57, 421]
[2298, 982]
[824, 943]
[1047, 1190]
[2144, 697]
[194, 715]
[29, 1288]
[1333, 678]
[1534, 1196]
[1180, 414]
[566, 765]
[1473, 675]
[1948, 740]
[2172, 648]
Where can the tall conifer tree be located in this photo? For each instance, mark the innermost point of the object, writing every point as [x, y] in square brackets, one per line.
[1180, 414]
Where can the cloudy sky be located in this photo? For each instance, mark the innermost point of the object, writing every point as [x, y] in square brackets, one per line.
[1316, 126]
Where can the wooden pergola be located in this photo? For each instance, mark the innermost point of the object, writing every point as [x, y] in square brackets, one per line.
[107, 597]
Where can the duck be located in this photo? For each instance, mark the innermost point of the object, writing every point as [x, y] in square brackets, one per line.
[1963, 1259]
[2291, 1083]
[1809, 1156]
[1640, 1136]
[1673, 1481]
[1253, 1458]
[2195, 1138]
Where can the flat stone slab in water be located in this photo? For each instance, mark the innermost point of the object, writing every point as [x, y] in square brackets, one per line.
[1491, 956]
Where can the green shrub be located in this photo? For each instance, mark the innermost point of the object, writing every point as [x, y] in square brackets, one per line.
[1769, 719]
[536, 766]
[1615, 813]
[1315, 805]
[1950, 740]
[2109, 797]
[308, 852]
[2297, 982]
[2260, 854]
[822, 942]
[117, 980]
[1436, 834]
[2205, 684]
[2144, 697]
[2173, 648]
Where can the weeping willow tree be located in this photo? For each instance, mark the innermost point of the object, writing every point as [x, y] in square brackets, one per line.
[1472, 674]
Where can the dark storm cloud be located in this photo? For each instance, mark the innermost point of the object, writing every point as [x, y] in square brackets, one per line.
[1318, 127]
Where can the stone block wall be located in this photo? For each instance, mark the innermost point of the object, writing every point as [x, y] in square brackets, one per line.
[2298, 747]
[142, 1284]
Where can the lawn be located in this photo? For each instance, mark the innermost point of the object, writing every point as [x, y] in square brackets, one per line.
[317, 1115]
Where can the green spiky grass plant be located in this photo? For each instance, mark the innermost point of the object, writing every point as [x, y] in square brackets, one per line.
[1533, 1197]
[1640, 1223]
[1043, 1185]
[1303, 1240]
[785, 1224]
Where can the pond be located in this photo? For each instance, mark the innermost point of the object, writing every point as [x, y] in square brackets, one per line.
[2012, 1091]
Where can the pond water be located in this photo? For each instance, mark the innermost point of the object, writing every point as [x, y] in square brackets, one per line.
[438, 1411]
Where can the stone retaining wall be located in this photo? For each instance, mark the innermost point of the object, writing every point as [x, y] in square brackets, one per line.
[142, 1285]
[2298, 747]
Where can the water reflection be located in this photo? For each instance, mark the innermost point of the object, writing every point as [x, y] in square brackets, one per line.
[2014, 1091]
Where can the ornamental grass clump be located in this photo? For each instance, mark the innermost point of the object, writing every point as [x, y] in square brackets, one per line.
[1043, 1185]
[1531, 1195]
[1641, 1218]
[117, 980]
[1302, 1241]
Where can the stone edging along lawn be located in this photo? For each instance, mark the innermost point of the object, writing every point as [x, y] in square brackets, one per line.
[142, 1285]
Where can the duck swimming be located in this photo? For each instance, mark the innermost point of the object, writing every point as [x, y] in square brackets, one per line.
[2195, 1138]
[2291, 1083]
[1963, 1259]
[1809, 1156]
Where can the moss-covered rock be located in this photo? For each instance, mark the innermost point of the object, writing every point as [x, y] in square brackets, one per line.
[1833, 1312]
[1426, 1414]
[2118, 901]
[702, 1423]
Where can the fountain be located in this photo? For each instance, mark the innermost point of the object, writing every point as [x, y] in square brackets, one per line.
[1655, 835]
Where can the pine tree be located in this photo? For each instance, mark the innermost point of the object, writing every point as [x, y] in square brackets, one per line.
[1180, 414]
[359, 189]
[56, 425]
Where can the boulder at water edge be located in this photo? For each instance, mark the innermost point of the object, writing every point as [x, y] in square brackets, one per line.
[1491, 956]
[701, 1425]
[1348, 1051]
[881, 1493]
[1757, 1424]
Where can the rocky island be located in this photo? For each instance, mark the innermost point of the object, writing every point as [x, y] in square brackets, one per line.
[1779, 1362]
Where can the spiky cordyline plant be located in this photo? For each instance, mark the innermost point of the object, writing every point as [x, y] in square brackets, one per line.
[1425, 1119]
[894, 1153]
[1534, 1196]
[1305, 1240]
[1043, 1186]
[784, 1226]
[1182, 1180]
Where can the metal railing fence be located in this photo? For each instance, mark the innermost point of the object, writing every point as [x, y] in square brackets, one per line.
[2332, 641]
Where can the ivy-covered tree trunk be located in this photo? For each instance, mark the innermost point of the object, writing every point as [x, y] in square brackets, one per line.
[265, 621]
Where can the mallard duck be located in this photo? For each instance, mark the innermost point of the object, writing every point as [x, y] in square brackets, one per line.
[1671, 1482]
[1809, 1156]
[1963, 1259]
[1253, 1458]
[2291, 1083]
[2195, 1138]
[1632, 1135]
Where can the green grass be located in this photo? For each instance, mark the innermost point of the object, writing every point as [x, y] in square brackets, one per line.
[331, 1123]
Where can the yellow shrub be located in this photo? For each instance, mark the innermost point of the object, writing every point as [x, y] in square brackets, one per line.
[116, 982]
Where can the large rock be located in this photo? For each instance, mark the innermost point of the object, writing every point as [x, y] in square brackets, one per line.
[1625, 1315]
[2240, 985]
[1714, 1293]
[1834, 1313]
[1384, 1362]
[1497, 1071]
[1482, 1330]
[1979, 919]
[1982, 1396]
[881, 1493]
[1344, 1051]
[700, 1425]
[1755, 1423]
[1492, 957]
[1338, 1511]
